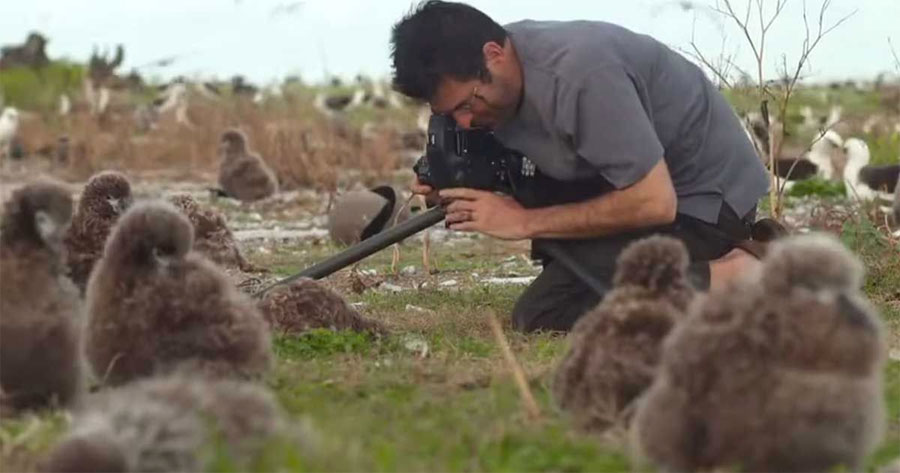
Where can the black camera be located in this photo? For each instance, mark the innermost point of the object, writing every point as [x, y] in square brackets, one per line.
[456, 157]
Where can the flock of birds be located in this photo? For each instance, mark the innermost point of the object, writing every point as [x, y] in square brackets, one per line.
[782, 371]
[120, 310]
[833, 158]
[175, 97]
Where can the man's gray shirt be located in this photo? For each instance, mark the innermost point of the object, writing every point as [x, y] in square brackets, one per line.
[600, 100]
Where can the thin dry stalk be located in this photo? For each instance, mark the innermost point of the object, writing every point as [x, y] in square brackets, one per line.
[531, 407]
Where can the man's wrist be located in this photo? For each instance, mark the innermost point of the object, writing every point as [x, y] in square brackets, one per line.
[530, 224]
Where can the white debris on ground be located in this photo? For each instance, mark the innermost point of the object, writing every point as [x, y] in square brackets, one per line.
[415, 344]
[415, 308]
[279, 234]
[523, 280]
[391, 287]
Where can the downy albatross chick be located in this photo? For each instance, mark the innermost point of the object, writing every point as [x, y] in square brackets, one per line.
[242, 174]
[154, 305]
[615, 347]
[782, 371]
[212, 237]
[172, 423]
[40, 310]
[104, 198]
[305, 305]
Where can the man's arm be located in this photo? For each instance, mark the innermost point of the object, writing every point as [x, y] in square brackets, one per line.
[604, 116]
[648, 202]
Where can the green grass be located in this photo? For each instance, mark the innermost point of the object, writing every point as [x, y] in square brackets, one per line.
[817, 187]
[39, 89]
[885, 149]
[321, 342]
[377, 404]
[890, 449]
[421, 414]
[387, 404]
[879, 254]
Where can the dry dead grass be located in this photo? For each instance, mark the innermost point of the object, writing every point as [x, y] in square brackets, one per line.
[305, 148]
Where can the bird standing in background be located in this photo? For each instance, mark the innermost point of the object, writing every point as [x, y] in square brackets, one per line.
[242, 174]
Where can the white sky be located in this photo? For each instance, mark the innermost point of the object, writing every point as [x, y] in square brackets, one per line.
[226, 37]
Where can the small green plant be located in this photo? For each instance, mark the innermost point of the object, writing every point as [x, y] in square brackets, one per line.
[322, 342]
[818, 187]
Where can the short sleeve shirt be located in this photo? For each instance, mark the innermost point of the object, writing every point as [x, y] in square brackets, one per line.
[600, 100]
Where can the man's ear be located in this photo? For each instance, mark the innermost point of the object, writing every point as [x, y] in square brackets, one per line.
[493, 51]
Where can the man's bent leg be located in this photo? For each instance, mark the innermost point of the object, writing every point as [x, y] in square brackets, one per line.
[557, 298]
[554, 301]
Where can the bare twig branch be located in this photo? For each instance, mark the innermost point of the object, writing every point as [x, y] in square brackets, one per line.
[816, 139]
[894, 54]
[719, 70]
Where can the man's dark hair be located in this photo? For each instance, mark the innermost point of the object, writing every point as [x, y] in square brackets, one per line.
[439, 39]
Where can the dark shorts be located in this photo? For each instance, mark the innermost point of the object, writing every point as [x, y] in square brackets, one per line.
[557, 298]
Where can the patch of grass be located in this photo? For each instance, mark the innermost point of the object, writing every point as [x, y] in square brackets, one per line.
[818, 187]
[25, 439]
[885, 149]
[407, 417]
[461, 347]
[279, 453]
[321, 342]
[39, 89]
[499, 298]
[284, 260]
[890, 448]
[879, 255]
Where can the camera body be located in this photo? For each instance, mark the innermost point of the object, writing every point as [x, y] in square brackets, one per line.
[456, 157]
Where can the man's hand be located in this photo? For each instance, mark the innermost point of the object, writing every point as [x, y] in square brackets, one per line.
[419, 188]
[431, 196]
[485, 212]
